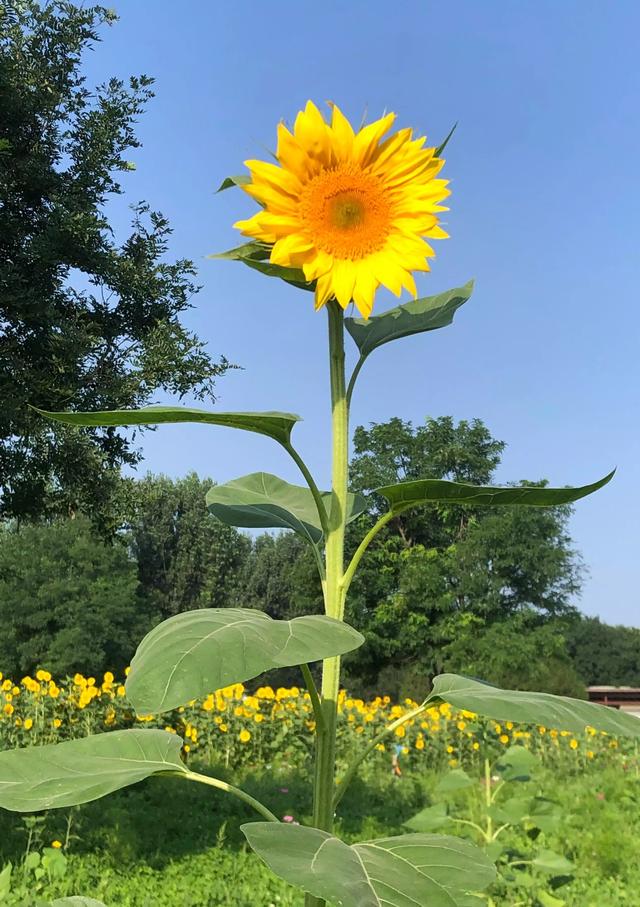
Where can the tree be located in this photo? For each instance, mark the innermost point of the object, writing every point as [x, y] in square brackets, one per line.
[280, 577]
[68, 600]
[186, 558]
[452, 573]
[603, 654]
[85, 322]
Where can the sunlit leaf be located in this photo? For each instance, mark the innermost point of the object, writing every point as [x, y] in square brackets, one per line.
[432, 818]
[256, 255]
[429, 491]
[241, 180]
[397, 872]
[194, 653]
[415, 317]
[77, 771]
[262, 501]
[273, 424]
[532, 708]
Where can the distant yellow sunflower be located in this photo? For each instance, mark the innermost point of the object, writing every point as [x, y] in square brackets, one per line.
[349, 209]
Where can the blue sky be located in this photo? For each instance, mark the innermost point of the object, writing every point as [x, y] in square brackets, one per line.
[544, 215]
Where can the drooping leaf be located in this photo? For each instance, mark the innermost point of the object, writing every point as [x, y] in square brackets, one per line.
[397, 872]
[273, 424]
[429, 491]
[549, 900]
[243, 179]
[432, 818]
[77, 771]
[454, 781]
[256, 255]
[192, 654]
[263, 501]
[532, 708]
[413, 317]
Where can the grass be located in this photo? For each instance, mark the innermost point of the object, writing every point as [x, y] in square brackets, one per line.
[165, 843]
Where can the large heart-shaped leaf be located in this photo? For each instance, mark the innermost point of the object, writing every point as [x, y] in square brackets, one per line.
[261, 500]
[77, 771]
[256, 255]
[273, 424]
[429, 491]
[397, 872]
[559, 712]
[413, 317]
[193, 653]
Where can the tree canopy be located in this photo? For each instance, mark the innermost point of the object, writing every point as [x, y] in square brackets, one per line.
[87, 320]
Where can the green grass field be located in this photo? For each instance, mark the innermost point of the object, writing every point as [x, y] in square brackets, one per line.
[165, 843]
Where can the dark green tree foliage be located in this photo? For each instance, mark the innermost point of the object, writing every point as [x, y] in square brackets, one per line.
[68, 600]
[280, 577]
[440, 576]
[605, 655]
[186, 558]
[85, 321]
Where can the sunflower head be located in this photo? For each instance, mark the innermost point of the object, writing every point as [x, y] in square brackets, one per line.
[351, 209]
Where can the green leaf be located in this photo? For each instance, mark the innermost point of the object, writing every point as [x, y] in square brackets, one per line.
[194, 653]
[256, 255]
[78, 901]
[443, 145]
[553, 863]
[512, 811]
[454, 781]
[429, 491]
[77, 771]
[263, 501]
[398, 872]
[241, 180]
[273, 424]
[432, 818]
[548, 900]
[5, 881]
[413, 317]
[517, 763]
[559, 712]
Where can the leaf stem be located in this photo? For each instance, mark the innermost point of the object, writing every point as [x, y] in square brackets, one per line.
[229, 789]
[313, 488]
[390, 728]
[362, 547]
[313, 693]
[352, 379]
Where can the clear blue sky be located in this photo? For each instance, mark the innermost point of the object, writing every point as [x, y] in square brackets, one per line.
[545, 171]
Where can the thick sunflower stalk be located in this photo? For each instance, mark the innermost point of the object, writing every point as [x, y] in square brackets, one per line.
[343, 213]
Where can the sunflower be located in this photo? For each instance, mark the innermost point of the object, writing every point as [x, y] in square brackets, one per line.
[351, 209]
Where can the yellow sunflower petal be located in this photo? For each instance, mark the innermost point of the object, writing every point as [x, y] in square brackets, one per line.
[352, 209]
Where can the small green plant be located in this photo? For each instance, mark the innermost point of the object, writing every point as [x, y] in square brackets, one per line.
[343, 214]
[508, 820]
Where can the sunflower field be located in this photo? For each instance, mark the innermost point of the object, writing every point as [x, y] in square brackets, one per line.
[265, 726]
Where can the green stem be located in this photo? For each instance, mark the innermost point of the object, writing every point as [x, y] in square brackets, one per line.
[313, 693]
[488, 797]
[229, 789]
[390, 728]
[334, 599]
